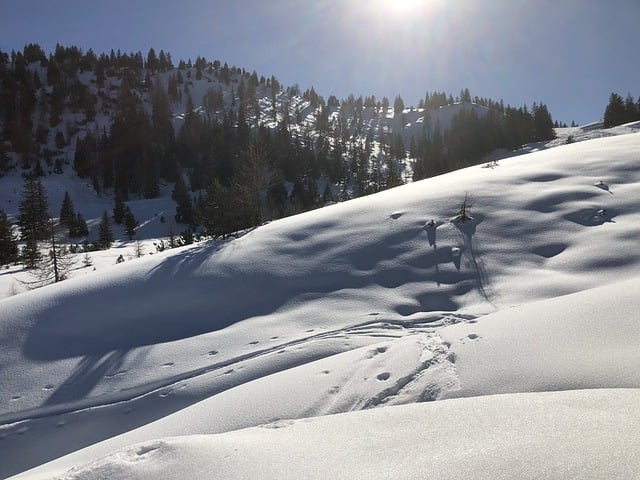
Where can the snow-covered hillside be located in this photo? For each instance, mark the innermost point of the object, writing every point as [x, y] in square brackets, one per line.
[155, 366]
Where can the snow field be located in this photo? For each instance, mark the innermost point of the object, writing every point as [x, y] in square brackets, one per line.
[360, 305]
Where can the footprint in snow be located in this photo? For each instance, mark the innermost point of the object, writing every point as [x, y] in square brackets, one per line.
[168, 364]
[377, 351]
[383, 376]
[212, 353]
[255, 342]
[473, 336]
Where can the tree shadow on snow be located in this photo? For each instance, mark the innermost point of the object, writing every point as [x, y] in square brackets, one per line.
[170, 302]
[467, 231]
[89, 372]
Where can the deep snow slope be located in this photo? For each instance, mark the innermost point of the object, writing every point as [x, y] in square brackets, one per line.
[338, 309]
[589, 434]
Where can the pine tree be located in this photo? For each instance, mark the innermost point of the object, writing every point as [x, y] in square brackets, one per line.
[119, 209]
[542, 123]
[55, 266]
[398, 104]
[79, 228]
[8, 242]
[33, 220]
[614, 114]
[67, 212]
[105, 234]
[184, 204]
[130, 223]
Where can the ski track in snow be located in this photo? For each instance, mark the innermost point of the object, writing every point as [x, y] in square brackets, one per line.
[376, 329]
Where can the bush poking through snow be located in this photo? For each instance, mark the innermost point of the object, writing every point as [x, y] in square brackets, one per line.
[464, 212]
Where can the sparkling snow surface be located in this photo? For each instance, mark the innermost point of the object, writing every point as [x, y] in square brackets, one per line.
[229, 359]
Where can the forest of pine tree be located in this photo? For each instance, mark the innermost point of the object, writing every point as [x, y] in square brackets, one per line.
[249, 150]
[619, 111]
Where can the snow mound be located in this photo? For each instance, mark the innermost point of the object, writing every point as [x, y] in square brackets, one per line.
[359, 305]
[579, 434]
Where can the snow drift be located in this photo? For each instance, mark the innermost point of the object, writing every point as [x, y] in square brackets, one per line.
[354, 306]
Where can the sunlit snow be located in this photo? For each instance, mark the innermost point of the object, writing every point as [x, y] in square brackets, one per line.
[378, 337]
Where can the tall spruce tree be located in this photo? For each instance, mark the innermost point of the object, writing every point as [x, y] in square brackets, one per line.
[67, 212]
[614, 113]
[56, 264]
[130, 223]
[105, 233]
[119, 209]
[8, 242]
[33, 220]
[79, 228]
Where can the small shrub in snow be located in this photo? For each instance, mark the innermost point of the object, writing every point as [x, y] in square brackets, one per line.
[464, 212]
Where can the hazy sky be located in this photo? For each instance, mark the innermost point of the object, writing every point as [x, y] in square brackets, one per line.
[569, 54]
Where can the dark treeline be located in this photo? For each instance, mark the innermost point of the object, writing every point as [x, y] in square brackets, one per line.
[619, 111]
[246, 151]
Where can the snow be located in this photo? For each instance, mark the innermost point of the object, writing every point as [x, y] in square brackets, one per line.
[357, 340]
[525, 436]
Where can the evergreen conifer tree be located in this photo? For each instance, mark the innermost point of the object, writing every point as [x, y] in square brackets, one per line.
[67, 212]
[79, 228]
[56, 264]
[119, 209]
[130, 223]
[33, 220]
[184, 207]
[8, 243]
[105, 233]
[614, 114]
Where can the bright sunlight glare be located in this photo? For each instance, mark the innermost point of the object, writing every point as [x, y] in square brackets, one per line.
[403, 7]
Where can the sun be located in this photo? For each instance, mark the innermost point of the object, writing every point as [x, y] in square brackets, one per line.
[403, 8]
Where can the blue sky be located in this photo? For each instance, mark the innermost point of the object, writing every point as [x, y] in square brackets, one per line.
[569, 54]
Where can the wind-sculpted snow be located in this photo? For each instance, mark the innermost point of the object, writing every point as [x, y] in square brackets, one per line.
[587, 434]
[379, 301]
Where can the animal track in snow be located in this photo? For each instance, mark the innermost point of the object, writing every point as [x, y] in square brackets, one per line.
[383, 376]
[376, 351]
[165, 393]
[550, 250]
[168, 364]
[145, 449]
